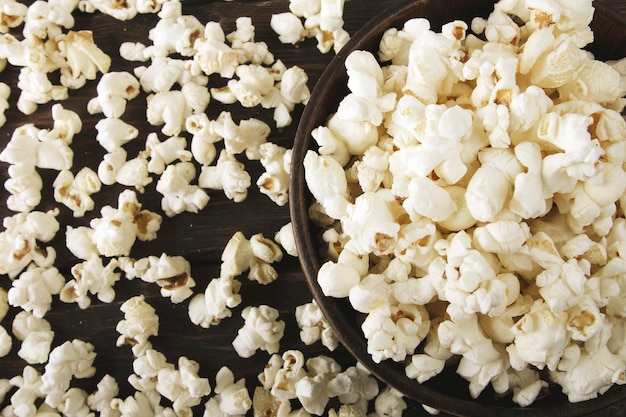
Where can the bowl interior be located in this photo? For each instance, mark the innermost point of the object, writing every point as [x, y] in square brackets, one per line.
[447, 392]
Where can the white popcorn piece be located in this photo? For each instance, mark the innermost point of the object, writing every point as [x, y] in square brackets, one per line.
[228, 175]
[326, 180]
[13, 14]
[24, 184]
[141, 403]
[28, 391]
[265, 252]
[236, 256]
[4, 304]
[288, 27]
[100, 400]
[220, 295]
[231, 399]
[171, 273]
[213, 54]
[140, 322]
[36, 336]
[327, 278]
[34, 288]
[114, 90]
[274, 182]
[113, 133]
[134, 51]
[19, 241]
[44, 152]
[182, 386]
[355, 386]
[395, 331]
[282, 373]
[314, 390]
[114, 168]
[66, 124]
[178, 193]
[261, 330]
[75, 191]
[164, 153]
[74, 402]
[168, 109]
[36, 88]
[71, 359]
[314, 326]
[175, 34]
[545, 331]
[84, 58]
[286, 239]
[91, 277]
[146, 369]
[6, 343]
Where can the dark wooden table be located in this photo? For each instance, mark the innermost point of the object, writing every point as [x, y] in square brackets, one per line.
[201, 237]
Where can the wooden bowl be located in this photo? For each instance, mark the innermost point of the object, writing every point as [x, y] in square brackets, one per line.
[447, 392]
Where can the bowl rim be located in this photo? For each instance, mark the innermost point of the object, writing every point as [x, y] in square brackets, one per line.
[368, 37]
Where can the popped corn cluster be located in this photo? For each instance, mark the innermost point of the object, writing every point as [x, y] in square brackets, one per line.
[471, 186]
[186, 155]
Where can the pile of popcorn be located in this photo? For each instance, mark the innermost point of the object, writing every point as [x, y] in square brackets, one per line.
[187, 155]
[471, 190]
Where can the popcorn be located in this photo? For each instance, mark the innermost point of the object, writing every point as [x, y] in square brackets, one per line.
[146, 367]
[261, 330]
[314, 326]
[75, 191]
[274, 182]
[288, 27]
[171, 273]
[6, 343]
[36, 337]
[28, 391]
[114, 90]
[285, 238]
[178, 193]
[315, 389]
[100, 400]
[182, 386]
[84, 57]
[228, 175]
[169, 110]
[34, 288]
[92, 277]
[220, 295]
[36, 88]
[231, 399]
[113, 133]
[140, 322]
[72, 359]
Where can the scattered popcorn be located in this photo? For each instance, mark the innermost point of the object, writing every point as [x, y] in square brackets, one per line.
[274, 182]
[178, 193]
[231, 399]
[116, 231]
[164, 153]
[314, 326]
[91, 277]
[100, 400]
[140, 322]
[6, 343]
[323, 20]
[114, 90]
[171, 273]
[84, 58]
[182, 386]
[4, 303]
[34, 288]
[261, 330]
[28, 391]
[75, 191]
[113, 133]
[72, 359]
[285, 238]
[36, 336]
[228, 175]
[209, 308]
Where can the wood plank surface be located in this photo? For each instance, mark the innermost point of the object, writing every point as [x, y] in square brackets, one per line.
[201, 237]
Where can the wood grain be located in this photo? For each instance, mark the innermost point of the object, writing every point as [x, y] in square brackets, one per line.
[201, 237]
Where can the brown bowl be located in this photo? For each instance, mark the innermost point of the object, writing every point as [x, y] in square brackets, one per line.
[447, 392]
